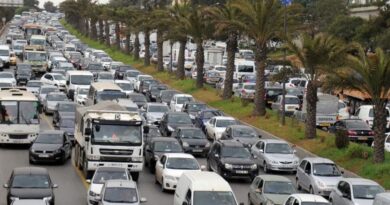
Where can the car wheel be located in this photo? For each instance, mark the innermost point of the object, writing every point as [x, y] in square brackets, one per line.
[162, 185]
[151, 167]
[311, 191]
[208, 166]
[298, 185]
[249, 200]
[265, 167]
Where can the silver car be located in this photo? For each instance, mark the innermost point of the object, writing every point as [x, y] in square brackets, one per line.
[275, 155]
[120, 192]
[51, 101]
[153, 112]
[34, 86]
[44, 90]
[318, 175]
[355, 191]
[30, 202]
[270, 189]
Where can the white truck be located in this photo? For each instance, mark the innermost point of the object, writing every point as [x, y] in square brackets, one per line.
[106, 134]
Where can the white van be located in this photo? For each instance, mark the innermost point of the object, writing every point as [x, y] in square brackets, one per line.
[5, 55]
[243, 67]
[77, 79]
[101, 91]
[203, 188]
[382, 199]
[366, 113]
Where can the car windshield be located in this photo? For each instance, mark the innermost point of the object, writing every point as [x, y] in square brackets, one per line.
[293, 101]
[102, 176]
[315, 203]
[132, 74]
[35, 56]
[49, 139]
[66, 107]
[56, 97]
[83, 91]
[48, 90]
[81, 79]
[356, 124]
[278, 187]
[167, 95]
[182, 100]
[23, 72]
[182, 163]
[235, 152]
[59, 77]
[5, 84]
[106, 76]
[246, 132]
[167, 146]
[6, 75]
[214, 198]
[4, 52]
[158, 108]
[106, 60]
[137, 98]
[116, 134]
[126, 86]
[225, 123]
[95, 67]
[23, 112]
[30, 181]
[110, 95]
[210, 114]
[249, 87]
[326, 169]
[366, 191]
[278, 148]
[33, 84]
[120, 195]
[179, 119]
[192, 134]
[196, 107]
[124, 68]
[68, 123]
[245, 68]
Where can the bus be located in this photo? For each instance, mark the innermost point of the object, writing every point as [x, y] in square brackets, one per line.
[31, 29]
[37, 40]
[36, 56]
[19, 116]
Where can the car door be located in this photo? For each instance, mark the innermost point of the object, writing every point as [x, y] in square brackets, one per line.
[346, 195]
[259, 197]
[67, 146]
[160, 168]
[337, 193]
[301, 172]
[290, 201]
[306, 176]
[252, 190]
[256, 151]
[210, 127]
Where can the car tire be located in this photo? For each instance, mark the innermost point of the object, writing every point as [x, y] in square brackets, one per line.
[162, 185]
[311, 190]
[265, 167]
[134, 176]
[208, 166]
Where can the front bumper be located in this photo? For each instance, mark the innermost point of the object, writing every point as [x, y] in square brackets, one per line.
[239, 173]
[132, 166]
[283, 167]
[170, 183]
[17, 139]
[196, 150]
[368, 139]
[42, 157]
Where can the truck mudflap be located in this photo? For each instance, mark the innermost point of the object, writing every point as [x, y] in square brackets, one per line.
[132, 166]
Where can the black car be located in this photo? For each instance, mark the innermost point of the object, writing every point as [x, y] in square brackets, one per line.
[121, 70]
[94, 68]
[193, 108]
[23, 73]
[271, 95]
[231, 159]
[30, 183]
[242, 133]
[144, 86]
[193, 140]
[159, 146]
[67, 124]
[63, 109]
[356, 129]
[138, 99]
[153, 131]
[50, 146]
[154, 91]
[172, 120]
[166, 96]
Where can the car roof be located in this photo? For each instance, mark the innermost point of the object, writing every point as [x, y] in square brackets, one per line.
[122, 81]
[30, 170]
[182, 95]
[360, 181]
[165, 139]
[318, 160]
[114, 169]
[207, 181]
[179, 155]
[269, 177]
[273, 141]
[121, 183]
[310, 198]
[231, 143]
[241, 126]
[224, 118]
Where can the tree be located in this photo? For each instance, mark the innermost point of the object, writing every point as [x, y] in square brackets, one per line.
[49, 6]
[262, 21]
[31, 3]
[161, 21]
[319, 54]
[345, 27]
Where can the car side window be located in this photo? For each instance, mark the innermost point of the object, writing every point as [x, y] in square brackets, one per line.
[262, 145]
[357, 112]
[261, 183]
[347, 189]
[290, 201]
[255, 182]
[308, 168]
[296, 202]
[340, 186]
[188, 197]
[163, 159]
[303, 164]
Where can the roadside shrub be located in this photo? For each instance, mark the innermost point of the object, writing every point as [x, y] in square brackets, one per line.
[245, 102]
[359, 151]
[341, 139]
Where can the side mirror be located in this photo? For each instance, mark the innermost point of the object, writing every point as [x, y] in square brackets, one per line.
[216, 155]
[88, 181]
[55, 186]
[88, 131]
[146, 129]
[87, 139]
[6, 186]
[143, 200]
[260, 136]
[258, 191]
[203, 168]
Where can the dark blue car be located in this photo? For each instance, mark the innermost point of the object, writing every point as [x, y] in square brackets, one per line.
[205, 115]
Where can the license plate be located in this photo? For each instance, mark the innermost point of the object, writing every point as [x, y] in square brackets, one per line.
[363, 138]
[197, 150]
[115, 164]
[242, 172]
[325, 124]
[44, 155]
[290, 107]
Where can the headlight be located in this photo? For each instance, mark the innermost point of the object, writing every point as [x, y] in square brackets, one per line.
[207, 144]
[49, 198]
[91, 193]
[321, 184]
[228, 166]
[170, 129]
[14, 198]
[254, 166]
[137, 159]
[32, 150]
[185, 144]
[273, 162]
[296, 162]
[169, 177]
[57, 151]
[93, 157]
[156, 157]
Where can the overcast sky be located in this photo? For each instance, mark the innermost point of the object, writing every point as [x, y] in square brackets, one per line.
[56, 2]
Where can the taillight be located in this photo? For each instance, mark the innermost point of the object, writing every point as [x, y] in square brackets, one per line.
[243, 91]
[352, 132]
[371, 133]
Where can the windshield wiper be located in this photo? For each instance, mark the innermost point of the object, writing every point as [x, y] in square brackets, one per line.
[24, 119]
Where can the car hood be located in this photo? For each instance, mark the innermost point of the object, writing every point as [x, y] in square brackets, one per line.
[176, 172]
[364, 201]
[281, 157]
[231, 160]
[196, 141]
[276, 198]
[330, 182]
[247, 141]
[46, 147]
[174, 126]
[155, 115]
[64, 113]
[30, 193]
[96, 188]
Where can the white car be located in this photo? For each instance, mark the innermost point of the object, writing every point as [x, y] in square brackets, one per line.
[81, 95]
[55, 79]
[292, 103]
[139, 79]
[7, 77]
[113, 66]
[178, 101]
[102, 174]
[131, 75]
[171, 166]
[303, 199]
[34, 86]
[105, 77]
[217, 125]
[126, 86]
[366, 113]
[105, 61]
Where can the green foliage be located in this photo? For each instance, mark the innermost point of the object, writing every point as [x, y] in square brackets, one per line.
[341, 139]
[49, 6]
[359, 151]
[345, 27]
[31, 3]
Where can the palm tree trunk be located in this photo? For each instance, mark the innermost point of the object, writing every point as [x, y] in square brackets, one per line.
[380, 121]
[261, 57]
[147, 48]
[127, 46]
[231, 46]
[311, 110]
[101, 31]
[160, 41]
[136, 47]
[107, 32]
[180, 73]
[86, 27]
[117, 36]
[93, 33]
[199, 58]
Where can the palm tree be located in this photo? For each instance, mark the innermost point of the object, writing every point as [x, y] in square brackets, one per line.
[318, 55]
[92, 12]
[262, 21]
[225, 19]
[160, 20]
[369, 74]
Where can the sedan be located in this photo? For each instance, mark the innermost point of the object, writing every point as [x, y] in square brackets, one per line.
[193, 140]
[30, 182]
[193, 108]
[126, 86]
[204, 116]
[171, 166]
[55, 79]
[173, 120]
[7, 77]
[165, 96]
[105, 77]
[275, 155]
[153, 112]
[217, 125]
[50, 103]
[154, 91]
[356, 129]
[305, 199]
[120, 192]
[44, 90]
[248, 136]
[138, 99]
[50, 146]
[33, 86]
[63, 109]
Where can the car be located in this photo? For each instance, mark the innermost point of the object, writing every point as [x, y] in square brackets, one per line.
[178, 101]
[171, 166]
[23, 73]
[245, 90]
[44, 90]
[356, 129]
[50, 146]
[101, 175]
[355, 191]
[7, 77]
[30, 182]
[34, 86]
[120, 192]
[382, 199]
[153, 131]
[270, 189]
[67, 124]
[193, 108]
[131, 75]
[144, 85]
[153, 112]
[138, 99]
[55, 79]
[156, 147]
[154, 91]
[166, 96]
[63, 109]
[211, 77]
[56, 60]
[318, 175]
[51, 100]
[105, 61]
[292, 103]
[126, 86]
[139, 79]
[366, 113]
[275, 155]
[247, 135]
[193, 140]
[105, 77]
[128, 104]
[30, 202]
[304, 199]
[172, 120]
[217, 125]
[205, 115]
[62, 68]
[121, 70]
[231, 159]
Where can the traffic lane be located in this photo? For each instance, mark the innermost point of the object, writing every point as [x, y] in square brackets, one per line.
[71, 189]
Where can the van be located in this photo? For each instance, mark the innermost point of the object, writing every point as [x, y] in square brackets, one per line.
[37, 40]
[382, 199]
[5, 55]
[77, 79]
[366, 113]
[243, 67]
[203, 188]
[101, 91]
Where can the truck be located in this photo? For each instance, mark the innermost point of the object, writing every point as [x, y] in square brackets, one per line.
[106, 134]
[36, 56]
